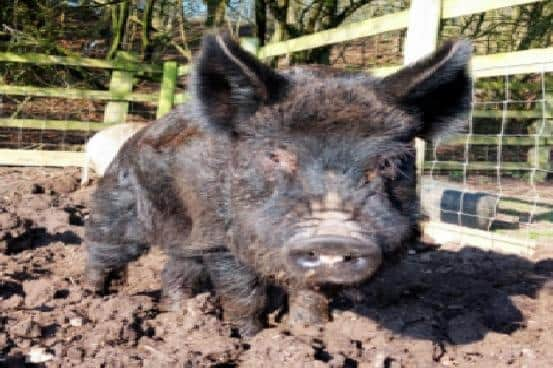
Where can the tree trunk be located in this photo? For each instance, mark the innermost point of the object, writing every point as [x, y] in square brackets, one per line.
[327, 20]
[539, 25]
[261, 20]
[182, 26]
[279, 10]
[146, 29]
[120, 23]
[216, 10]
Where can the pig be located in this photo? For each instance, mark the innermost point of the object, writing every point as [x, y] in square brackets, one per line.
[103, 147]
[301, 180]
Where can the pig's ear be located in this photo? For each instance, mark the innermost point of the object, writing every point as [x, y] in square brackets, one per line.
[229, 83]
[436, 89]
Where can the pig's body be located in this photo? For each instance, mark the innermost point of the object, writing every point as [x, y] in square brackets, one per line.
[101, 149]
[303, 179]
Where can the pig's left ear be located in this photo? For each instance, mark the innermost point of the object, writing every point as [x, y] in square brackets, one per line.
[436, 89]
[230, 84]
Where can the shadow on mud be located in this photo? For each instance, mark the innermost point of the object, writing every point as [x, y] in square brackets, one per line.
[446, 296]
[36, 237]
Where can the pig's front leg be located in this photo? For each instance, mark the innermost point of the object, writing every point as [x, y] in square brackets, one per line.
[182, 277]
[242, 295]
[307, 307]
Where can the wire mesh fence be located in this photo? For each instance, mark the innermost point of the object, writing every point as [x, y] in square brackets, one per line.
[41, 111]
[497, 176]
[40, 125]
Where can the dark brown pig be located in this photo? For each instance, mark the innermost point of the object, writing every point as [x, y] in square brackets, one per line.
[303, 179]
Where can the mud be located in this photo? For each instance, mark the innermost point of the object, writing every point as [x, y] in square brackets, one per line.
[444, 307]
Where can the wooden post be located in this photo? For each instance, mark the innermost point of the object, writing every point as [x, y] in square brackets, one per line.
[121, 83]
[168, 86]
[421, 40]
[423, 28]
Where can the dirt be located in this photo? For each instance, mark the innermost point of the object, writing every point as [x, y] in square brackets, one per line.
[444, 307]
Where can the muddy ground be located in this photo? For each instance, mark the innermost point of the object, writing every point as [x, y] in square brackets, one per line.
[445, 307]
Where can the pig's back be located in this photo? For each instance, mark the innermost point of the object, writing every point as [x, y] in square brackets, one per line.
[168, 166]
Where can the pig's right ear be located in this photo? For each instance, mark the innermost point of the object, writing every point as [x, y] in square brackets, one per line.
[437, 90]
[230, 84]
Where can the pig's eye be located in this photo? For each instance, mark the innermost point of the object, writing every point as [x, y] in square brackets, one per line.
[274, 157]
[388, 167]
[384, 164]
[371, 175]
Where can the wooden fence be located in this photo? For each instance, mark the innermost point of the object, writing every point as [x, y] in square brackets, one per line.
[124, 69]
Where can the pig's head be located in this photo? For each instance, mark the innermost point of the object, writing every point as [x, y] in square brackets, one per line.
[320, 167]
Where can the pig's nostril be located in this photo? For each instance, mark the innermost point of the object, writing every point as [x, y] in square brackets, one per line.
[309, 260]
[333, 253]
[311, 257]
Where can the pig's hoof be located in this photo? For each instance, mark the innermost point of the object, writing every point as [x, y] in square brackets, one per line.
[95, 279]
[117, 278]
[101, 280]
[249, 327]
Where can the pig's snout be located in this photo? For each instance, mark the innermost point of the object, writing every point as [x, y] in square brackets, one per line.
[332, 259]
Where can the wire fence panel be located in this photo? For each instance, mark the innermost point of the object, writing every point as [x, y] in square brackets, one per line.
[497, 174]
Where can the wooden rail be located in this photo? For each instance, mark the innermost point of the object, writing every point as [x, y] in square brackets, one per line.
[21, 157]
[385, 23]
[516, 62]
[445, 233]
[492, 65]
[65, 125]
[124, 68]
[476, 165]
[76, 93]
[366, 28]
[512, 114]
[493, 140]
[459, 8]
[43, 59]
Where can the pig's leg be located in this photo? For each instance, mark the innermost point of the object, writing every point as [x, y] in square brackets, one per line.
[242, 295]
[114, 234]
[183, 276]
[106, 263]
[307, 307]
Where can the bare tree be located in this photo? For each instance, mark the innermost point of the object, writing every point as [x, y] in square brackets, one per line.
[216, 10]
